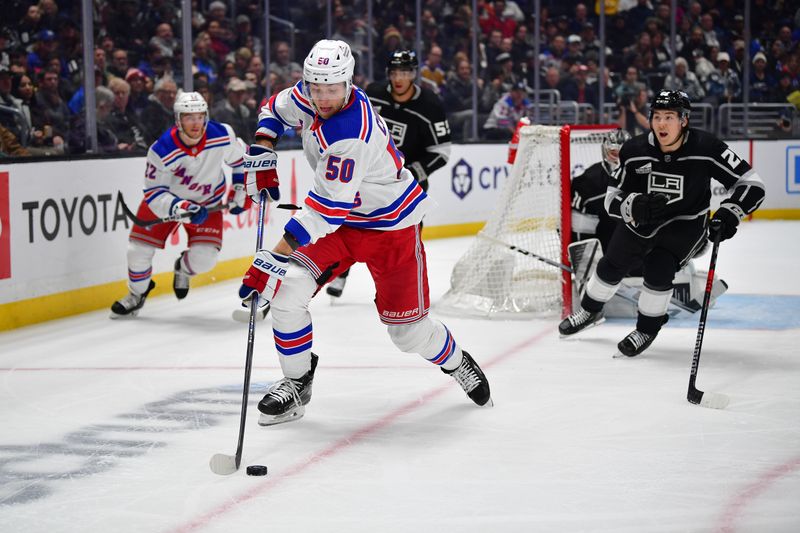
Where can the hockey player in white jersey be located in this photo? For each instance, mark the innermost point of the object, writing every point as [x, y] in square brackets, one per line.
[182, 180]
[363, 207]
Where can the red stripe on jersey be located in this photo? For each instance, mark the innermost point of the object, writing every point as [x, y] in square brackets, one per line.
[325, 210]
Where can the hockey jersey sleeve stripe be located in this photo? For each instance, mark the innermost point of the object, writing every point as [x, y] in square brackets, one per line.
[300, 233]
[154, 193]
[236, 164]
[219, 192]
[270, 127]
[304, 260]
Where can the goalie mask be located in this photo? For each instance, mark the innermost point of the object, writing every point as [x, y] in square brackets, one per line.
[612, 142]
[328, 63]
[190, 103]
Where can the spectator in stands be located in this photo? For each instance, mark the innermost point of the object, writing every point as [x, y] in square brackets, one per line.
[106, 140]
[703, 67]
[458, 98]
[51, 114]
[30, 25]
[619, 36]
[633, 114]
[737, 61]
[12, 121]
[22, 91]
[137, 101]
[492, 47]
[165, 40]
[580, 18]
[122, 121]
[203, 57]
[10, 145]
[244, 36]
[281, 64]
[76, 103]
[201, 86]
[158, 115]
[710, 34]
[574, 51]
[627, 89]
[44, 48]
[685, 80]
[761, 81]
[241, 60]
[220, 44]
[506, 113]
[780, 93]
[696, 40]
[432, 69]
[723, 85]
[232, 110]
[119, 63]
[216, 12]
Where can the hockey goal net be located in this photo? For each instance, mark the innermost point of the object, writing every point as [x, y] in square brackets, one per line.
[513, 269]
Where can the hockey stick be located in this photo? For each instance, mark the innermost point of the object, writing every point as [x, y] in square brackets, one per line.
[219, 207]
[713, 400]
[221, 463]
[526, 252]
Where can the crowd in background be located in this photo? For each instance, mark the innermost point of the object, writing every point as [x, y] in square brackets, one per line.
[138, 62]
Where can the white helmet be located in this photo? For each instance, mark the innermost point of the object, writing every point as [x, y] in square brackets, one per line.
[189, 103]
[329, 62]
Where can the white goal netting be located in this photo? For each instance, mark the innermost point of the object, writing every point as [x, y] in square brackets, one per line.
[496, 278]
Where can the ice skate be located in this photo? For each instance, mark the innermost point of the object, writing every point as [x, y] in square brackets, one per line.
[129, 305]
[472, 379]
[180, 281]
[242, 314]
[578, 321]
[286, 399]
[336, 287]
[635, 343]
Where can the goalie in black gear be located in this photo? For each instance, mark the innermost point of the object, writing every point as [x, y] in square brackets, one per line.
[416, 119]
[662, 194]
[592, 228]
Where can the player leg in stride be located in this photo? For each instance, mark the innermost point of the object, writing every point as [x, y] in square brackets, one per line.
[140, 269]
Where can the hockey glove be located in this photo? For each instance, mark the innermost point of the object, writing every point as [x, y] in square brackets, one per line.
[238, 201]
[182, 208]
[264, 277]
[261, 166]
[647, 208]
[725, 222]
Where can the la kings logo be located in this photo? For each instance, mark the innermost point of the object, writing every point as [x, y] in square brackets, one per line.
[397, 130]
[669, 184]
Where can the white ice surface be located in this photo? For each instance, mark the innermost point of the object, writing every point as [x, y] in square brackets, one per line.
[108, 426]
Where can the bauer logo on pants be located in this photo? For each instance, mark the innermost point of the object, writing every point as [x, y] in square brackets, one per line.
[669, 184]
[5, 228]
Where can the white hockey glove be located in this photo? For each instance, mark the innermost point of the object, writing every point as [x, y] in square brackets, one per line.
[261, 166]
[264, 277]
[186, 208]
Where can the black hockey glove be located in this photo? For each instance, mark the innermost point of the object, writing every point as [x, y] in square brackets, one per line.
[647, 208]
[724, 222]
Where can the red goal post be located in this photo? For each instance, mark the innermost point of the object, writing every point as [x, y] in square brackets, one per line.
[515, 267]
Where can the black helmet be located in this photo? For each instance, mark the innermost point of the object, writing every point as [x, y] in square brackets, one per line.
[402, 59]
[672, 101]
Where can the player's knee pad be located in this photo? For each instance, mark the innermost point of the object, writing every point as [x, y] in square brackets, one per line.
[599, 290]
[654, 302]
[660, 267]
[296, 290]
[200, 258]
[140, 256]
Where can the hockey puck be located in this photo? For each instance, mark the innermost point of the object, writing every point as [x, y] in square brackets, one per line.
[256, 470]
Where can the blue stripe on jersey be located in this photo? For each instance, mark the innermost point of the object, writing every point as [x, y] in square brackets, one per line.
[370, 119]
[391, 207]
[298, 231]
[272, 125]
[330, 203]
[387, 223]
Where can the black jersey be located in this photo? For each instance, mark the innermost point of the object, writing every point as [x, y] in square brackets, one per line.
[589, 215]
[685, 177]
[419, 128]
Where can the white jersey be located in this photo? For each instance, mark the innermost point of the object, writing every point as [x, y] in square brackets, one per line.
[176, 171]
[359, 177]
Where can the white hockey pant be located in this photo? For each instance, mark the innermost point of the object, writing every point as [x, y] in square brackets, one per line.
[197, 259]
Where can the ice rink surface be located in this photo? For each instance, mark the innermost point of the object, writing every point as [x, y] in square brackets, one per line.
[108, 426]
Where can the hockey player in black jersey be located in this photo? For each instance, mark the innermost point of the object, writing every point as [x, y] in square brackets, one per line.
[416, 119]
[662, 193]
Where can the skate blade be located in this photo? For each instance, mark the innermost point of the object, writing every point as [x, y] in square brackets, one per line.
[114, 316]
[590, 326]
[270, 420]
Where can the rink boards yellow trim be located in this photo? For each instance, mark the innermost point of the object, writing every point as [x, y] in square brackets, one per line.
[69, 303]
